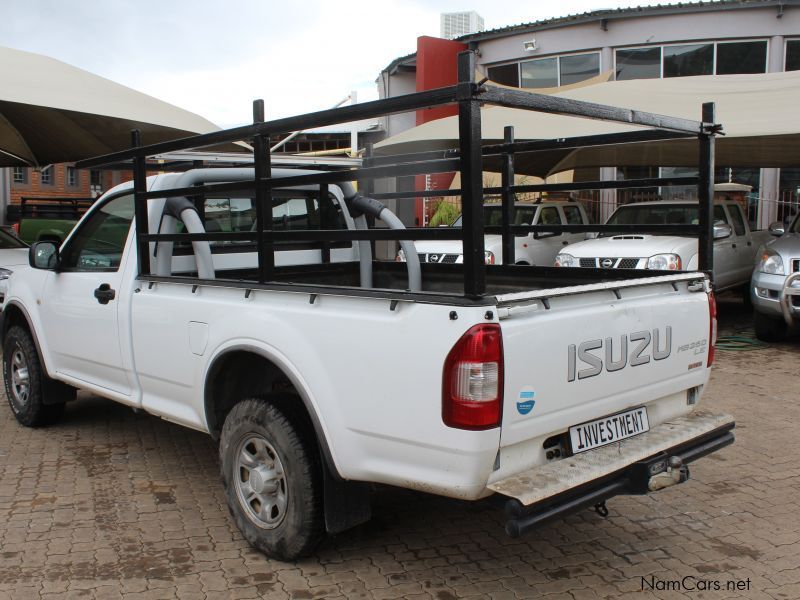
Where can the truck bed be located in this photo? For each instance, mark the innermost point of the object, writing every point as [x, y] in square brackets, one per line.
[441, 283]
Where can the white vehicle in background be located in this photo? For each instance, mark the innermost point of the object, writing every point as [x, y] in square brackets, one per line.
[735, 246]
[775, 284]
[529, 249]
[13, 254]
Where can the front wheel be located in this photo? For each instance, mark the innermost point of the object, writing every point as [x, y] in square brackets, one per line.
[769, 329]
[272, 477]
[25, 381]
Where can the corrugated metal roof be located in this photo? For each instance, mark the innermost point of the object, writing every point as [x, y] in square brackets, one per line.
[610, 14]
[621, 13]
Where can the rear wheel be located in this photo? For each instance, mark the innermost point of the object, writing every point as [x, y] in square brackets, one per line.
[273, 479]
[27, 385]
[769, 329]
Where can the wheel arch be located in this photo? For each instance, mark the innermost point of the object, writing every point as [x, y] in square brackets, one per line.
[15, 314]
[243, 370]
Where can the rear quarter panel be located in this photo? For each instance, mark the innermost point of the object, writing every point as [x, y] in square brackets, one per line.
[372, 375]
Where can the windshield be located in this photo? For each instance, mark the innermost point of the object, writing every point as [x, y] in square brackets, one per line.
[795, 228]
[661, 214]
[493, 216]
[9, 241]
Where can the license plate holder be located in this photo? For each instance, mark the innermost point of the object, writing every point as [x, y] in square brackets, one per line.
[607, 430]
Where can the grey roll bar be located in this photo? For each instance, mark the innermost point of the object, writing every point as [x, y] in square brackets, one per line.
[181, 208]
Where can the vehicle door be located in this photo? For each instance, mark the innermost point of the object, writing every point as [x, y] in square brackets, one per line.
[743, 245]
[79, 305]
[573, 215]
[725, 257]
[549, 245]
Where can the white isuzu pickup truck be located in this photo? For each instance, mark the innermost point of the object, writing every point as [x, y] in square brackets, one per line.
[220, 300]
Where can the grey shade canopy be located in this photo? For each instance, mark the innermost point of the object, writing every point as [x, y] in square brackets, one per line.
[52, 112]
[759, 114]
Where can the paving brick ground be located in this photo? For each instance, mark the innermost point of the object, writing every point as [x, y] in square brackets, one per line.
[111, 504]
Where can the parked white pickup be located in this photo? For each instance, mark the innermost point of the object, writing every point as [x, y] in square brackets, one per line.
[529, 248]
[735, 246]
[320, 379]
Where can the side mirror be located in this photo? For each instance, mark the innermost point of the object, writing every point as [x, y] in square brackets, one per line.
[722, 231]
[44, 255]
[777, 229]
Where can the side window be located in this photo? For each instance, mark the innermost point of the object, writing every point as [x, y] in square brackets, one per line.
[549, 216]
[573, 215]
[738, 220]
[719, 215]
[98, 244]
[291, 211]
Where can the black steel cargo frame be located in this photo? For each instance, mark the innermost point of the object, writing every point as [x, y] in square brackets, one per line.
[468, 95]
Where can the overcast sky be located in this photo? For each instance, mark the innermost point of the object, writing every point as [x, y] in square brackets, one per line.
[215, 57]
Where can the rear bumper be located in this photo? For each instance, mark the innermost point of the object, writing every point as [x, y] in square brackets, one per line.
[634, 466]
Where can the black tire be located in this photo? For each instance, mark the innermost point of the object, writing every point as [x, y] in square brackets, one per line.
[747, 299]
[293, 523]
[769, 329]
[27, 386]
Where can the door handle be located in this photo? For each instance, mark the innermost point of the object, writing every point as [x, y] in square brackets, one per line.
[104, 293]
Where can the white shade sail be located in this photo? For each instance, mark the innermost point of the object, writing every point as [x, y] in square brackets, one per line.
[53, 112]
[758, 113]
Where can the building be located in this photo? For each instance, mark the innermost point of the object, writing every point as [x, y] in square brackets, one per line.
[703, 38]
[457, 24]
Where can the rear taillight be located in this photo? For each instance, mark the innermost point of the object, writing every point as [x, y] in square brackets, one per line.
[15, 227]
[712, 333]
[472, 383]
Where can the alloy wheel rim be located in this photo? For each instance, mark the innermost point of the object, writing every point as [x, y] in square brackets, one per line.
[261, 484]
[20, 379]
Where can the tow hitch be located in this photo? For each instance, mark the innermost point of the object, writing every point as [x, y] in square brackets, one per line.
[655, 472]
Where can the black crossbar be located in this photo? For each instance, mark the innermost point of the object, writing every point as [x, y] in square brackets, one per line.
[323, 118]
[531, 146]
[589, 110]
[439, 166]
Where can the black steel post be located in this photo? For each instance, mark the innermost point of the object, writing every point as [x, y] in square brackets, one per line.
[705, 192]
[262, 171]
[367, 187]
[508, 197]
[140, 205]
[324, 202]
[469, 134]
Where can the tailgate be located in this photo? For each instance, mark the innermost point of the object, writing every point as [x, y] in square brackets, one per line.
[591, 351]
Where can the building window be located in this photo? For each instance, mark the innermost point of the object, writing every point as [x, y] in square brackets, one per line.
[20, 175]
[741, 57]
[639, 63]
[505, 74]
[47, 176]
[542, 73]
[684, 60]
[793, 55]
[556, 71]
[688, 59]
[578, 67]
[72, 177]
[95, 178]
